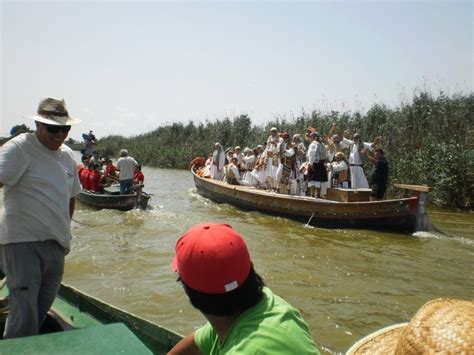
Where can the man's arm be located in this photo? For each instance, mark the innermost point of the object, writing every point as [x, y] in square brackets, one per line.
[371, 157]
[72, 205]
[186, 346]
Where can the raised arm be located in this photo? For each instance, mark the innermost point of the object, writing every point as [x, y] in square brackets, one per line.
[376, 141]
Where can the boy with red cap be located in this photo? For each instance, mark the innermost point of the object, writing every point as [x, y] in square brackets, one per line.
[243, 315]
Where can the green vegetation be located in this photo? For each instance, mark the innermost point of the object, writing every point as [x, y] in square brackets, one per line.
[427, 141]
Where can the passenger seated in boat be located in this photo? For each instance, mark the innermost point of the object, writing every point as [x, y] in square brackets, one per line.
[339, 171]
[244, 316]
[440, 326]
[82, 165]
[240, 158]
[84, 179]
[249, 163]
[96, 182]
[259, 173]
[233, 175]
[205, 171]
[138, 178]
[110, 172]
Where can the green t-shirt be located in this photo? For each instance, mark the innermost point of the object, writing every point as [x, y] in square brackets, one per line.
[272, 326]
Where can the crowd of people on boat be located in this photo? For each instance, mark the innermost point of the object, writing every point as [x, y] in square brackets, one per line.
[289, 166]
[96, 172]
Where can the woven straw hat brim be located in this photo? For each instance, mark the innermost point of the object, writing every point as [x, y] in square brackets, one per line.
[61, 121]
[382, 341]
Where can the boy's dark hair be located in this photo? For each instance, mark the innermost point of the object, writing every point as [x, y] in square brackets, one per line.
[379, 150]
[230, 303]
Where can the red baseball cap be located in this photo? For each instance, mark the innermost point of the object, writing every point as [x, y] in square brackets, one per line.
[212, 258]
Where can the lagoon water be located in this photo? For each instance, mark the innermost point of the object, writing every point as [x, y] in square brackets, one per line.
[346, 283]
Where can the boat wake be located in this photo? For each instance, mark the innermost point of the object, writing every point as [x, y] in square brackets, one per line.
[442, 236]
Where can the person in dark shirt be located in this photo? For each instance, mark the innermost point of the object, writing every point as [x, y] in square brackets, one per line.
[379, 177]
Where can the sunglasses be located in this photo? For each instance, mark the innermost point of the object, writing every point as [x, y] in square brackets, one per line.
[55, 129]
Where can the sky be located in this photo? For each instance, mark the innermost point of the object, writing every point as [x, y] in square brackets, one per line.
[130, 67]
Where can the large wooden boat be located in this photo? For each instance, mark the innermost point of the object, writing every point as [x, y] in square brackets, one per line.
[81, 324]
[112, 199]
[344, 208]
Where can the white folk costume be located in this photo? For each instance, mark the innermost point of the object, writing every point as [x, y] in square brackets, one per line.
[358, 178]
[272, 160]
[340, 174]
[218, 162]
[249, 161]
[317, 157]
[259, 173]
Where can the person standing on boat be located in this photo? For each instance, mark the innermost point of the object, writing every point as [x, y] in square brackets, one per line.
[126, 165]
[244, 316]
[218, 162]
[379, 177]
[138, 177]
[273, 136]
[282, 147]
[89, 143]
[357, 150]
[41, 182]
[300, 155]
[317, 157]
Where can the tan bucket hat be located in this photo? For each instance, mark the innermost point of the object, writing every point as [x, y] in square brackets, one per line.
[441, 326]
[54, 112]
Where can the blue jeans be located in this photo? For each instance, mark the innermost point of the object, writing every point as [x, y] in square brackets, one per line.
[126, 186]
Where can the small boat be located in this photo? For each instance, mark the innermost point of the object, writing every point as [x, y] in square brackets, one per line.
[81, 324]
[343, 208]
[112, 199]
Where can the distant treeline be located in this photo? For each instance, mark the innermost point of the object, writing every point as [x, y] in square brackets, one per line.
[428, 141]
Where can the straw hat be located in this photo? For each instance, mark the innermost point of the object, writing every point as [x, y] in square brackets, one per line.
[54, 112]
[442, 325]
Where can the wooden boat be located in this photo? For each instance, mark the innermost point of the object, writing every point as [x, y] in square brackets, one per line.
[112, 199]
[343, 208]
[81, 324]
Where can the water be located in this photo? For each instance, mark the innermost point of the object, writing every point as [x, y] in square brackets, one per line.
[347, 283]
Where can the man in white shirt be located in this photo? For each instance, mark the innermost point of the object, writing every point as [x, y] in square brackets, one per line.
[41, 181]
[317, 157]
[126, 165]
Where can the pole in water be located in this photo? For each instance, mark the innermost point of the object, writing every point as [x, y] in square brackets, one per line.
[309, 220]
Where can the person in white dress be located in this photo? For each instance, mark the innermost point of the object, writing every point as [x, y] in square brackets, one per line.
[218, 162]
[357, 149]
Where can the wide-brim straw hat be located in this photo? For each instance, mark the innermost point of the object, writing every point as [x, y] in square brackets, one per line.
[53, 111]
[441, 326]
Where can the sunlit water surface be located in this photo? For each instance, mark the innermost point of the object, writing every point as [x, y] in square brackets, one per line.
[346, 283]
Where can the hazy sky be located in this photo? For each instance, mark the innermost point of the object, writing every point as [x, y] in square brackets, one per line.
[127, 68]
